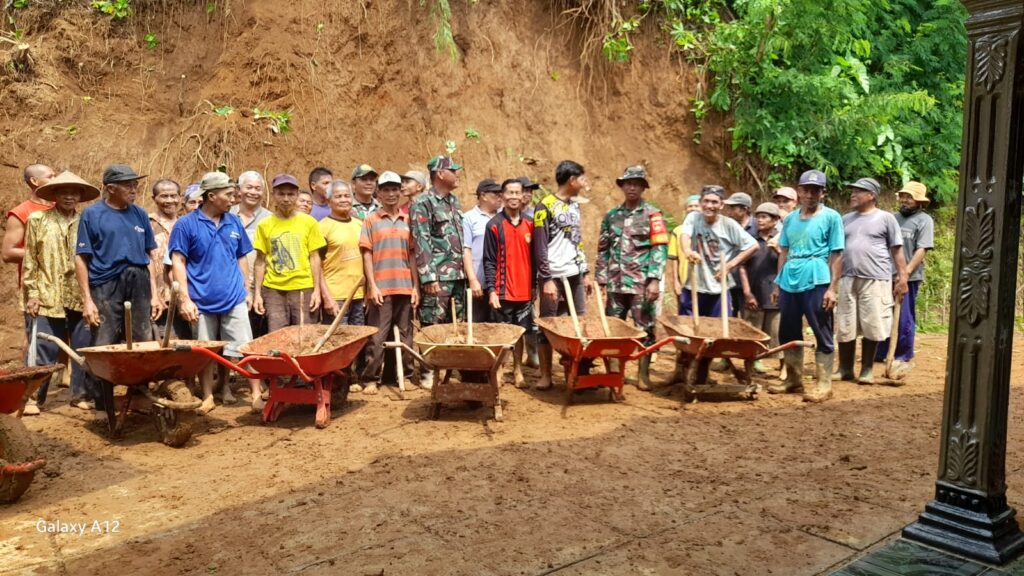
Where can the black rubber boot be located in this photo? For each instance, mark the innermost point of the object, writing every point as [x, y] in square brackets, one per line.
[867, 361]
[847, 356]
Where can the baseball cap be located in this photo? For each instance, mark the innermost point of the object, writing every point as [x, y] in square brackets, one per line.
[283, 180]
[193, 191]
[867, 184]
[487, 185]
[215, 181]
[635, 172]
[813, 178]
[740, 199]
[770, 208]
[119, 173]
[712, 189]
[693, 198]
[438, 163]
[389, 177]
[363, 170]
[416, 175]
[527, 183]
[917, 191]
[786, 192]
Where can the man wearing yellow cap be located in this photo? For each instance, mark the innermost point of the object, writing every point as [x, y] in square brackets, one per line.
[918, 231]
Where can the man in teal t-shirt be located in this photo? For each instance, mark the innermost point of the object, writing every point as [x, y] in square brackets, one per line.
[812, 242]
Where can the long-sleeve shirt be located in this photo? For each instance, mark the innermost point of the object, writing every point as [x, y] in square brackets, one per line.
[631, 248]
[436, 223]
[49, 265]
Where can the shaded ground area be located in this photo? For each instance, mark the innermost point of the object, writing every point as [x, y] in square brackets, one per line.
[650, 486]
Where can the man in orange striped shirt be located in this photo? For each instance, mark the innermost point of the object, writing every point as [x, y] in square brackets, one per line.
[392, 290]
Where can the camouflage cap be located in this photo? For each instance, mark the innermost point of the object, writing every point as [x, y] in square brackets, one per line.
[438, 163]
[635, 172]
[363, 170]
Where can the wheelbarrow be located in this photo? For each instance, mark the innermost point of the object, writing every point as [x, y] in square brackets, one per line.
[443, 347]
[622, 343]
[705, 341]
[295, 374]
[18, 457]
[154, 380]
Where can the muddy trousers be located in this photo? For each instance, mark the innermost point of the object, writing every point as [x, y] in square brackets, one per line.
[794, 306]
[131, 285]
[395, 311]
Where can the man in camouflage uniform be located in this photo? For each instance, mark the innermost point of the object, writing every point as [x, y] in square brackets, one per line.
[436, 219]
[631, 259]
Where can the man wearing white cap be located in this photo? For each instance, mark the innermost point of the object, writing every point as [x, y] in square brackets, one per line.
[785, 198]
[52, 297]
[414, 183]
[810, 264]
[208, 249]
[918, 238]
[874, 248]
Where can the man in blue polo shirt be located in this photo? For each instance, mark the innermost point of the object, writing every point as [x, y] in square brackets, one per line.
[115, 244]
[208, 249]
[810, 264]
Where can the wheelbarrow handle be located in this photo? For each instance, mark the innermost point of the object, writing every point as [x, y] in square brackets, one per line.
[23, 468]
[786, 346]
[295, 364]
[240, 367]
[416, 356]
[75, 356]
[657, 346]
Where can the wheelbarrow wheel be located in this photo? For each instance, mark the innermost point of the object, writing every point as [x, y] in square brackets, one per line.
[15, 447]
[339, 390]
[174, 426]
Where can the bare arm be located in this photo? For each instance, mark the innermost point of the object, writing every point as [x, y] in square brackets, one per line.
[13, 236]
[899, 287]
[472, 281]
[741, 257]
[89, 311]
[318, 276]
[835, 265]
[783, 255]
[156, 303]
[916, 260]
[187, 308]
[372, 292]
[259, 270]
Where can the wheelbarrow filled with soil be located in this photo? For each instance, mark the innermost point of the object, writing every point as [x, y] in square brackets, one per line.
[449, 347]
[616, 343]
[19, 459]
[296, 371]
[147, 377]
[706, 339]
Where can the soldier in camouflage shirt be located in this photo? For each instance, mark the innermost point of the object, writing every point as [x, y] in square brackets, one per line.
[631, 259]
[364, 190]
[436, 220]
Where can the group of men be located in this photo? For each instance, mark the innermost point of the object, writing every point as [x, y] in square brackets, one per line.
[399, 248]
[787, 263]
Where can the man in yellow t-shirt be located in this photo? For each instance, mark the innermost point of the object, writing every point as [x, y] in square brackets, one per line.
[287, 269]
[342, 261]
[679, 267]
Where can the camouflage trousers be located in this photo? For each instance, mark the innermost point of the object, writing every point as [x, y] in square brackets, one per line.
[642, 310]
[438, 309]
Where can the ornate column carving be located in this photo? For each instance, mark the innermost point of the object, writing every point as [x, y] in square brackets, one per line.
[969, 515]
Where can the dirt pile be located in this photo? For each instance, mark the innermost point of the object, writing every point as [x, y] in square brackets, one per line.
[362, 82]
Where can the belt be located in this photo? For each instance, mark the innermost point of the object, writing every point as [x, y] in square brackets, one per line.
[806, 257]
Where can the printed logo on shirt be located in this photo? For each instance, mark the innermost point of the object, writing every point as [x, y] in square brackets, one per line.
[140, 229]
[235, 235]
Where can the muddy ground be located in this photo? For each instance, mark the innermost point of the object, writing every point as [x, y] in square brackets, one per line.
[651, 486]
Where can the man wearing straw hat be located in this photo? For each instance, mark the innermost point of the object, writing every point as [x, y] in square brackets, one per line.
[115, 247]
[631, 259]
[208, 249]
[51, 294]
[918, 231]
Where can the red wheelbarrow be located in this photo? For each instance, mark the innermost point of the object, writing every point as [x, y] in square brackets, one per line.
[622, 344]
[706, 341]
[154, 380]
[18, 457]
[295, 375]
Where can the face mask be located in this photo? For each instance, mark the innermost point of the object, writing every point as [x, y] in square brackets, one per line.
[908, 211]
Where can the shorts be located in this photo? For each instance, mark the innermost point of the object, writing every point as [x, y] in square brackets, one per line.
[231, 327]
[516, 313]
[864, 307]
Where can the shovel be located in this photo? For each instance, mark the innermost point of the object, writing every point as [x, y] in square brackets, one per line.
[33, 340]
[894, 336]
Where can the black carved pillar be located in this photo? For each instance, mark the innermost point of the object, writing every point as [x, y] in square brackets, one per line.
[969, 515]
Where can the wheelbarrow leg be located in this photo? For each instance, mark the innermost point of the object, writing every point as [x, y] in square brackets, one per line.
[323, 401]
[107, 392]
[742, 375]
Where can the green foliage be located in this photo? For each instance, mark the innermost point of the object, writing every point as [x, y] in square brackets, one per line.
[224, 111]
[933, 311]
[151, 41]
[279, 120]
[19, 4]
[116, 9]
[472, 134]
[444, 39]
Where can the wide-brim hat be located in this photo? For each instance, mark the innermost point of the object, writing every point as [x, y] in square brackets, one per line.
[636, 172]
[917, 191]
[64, 181]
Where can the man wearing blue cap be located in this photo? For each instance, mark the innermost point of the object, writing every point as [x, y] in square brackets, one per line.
[874, 248]
[810, 264]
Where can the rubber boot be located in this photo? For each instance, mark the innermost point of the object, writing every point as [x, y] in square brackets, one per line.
[643, 381]
[847, 356]
[867, 361]
[823, 389]
[794, 382]
[532, 357]
[679, 372]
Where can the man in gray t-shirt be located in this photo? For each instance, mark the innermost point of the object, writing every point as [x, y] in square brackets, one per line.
[918, 231]
[874, 247]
